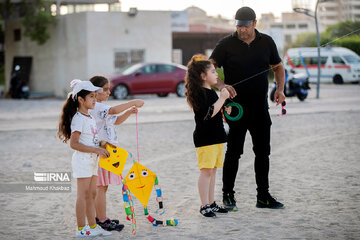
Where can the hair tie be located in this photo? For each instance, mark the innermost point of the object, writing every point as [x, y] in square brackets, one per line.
[198, 59]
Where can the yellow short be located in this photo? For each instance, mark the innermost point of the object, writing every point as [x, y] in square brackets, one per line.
[210, 156]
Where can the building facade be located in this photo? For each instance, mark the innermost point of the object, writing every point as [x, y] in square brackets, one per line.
[284, 30]
[335, 11]
[200, 36]
[88, 43]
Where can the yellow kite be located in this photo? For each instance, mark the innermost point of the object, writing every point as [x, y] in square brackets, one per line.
[116, 162]
[140, 181]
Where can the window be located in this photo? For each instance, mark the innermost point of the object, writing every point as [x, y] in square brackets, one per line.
[17, 35]
[121, 60]
[323, 60]
[148, 69]
[276, 26]
[303, 25]
[314, 60]
[337, 60]
[163, 68]
[127, 57]
[352, 58]
[296, 61]
[290, 26]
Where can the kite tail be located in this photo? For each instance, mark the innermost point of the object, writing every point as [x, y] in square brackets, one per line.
[160, 211]
[129, 207]
[155, 222]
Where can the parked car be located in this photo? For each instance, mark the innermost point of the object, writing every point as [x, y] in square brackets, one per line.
[338, 64]
[147, 78]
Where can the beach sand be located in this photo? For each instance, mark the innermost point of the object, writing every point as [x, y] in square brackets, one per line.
[315, 172]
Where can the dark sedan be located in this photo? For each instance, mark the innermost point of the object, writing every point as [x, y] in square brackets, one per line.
[149, 78]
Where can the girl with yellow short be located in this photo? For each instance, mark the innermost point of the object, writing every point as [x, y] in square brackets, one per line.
[209, 135]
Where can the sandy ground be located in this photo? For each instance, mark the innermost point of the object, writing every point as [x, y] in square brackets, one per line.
[315, 171]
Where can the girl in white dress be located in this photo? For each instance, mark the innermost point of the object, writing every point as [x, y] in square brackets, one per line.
[77, 125]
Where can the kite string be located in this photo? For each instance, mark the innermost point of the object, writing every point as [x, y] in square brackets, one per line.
[137, 136]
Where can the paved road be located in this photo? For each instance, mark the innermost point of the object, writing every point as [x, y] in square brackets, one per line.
[22, 114]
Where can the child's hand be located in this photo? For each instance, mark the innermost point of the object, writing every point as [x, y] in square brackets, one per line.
[102, 152]
[132, 110]
[228, 110]
[103, 143]
[224, 93]
[138, 103]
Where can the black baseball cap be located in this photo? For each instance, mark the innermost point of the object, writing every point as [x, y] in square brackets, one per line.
[244, 16]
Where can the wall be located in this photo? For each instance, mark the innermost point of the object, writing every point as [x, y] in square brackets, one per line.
[83, 44]
[63, 55]
[147, 30]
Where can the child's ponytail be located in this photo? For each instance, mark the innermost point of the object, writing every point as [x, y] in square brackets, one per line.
[68, 111]
[195, 94]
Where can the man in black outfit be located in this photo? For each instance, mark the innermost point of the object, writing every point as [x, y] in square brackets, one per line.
[246, 57]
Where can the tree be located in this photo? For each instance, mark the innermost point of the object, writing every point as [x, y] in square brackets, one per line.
[35, 15]
[346, 28]
[344, 34]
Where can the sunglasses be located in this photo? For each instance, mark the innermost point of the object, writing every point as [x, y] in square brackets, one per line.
[283, 110]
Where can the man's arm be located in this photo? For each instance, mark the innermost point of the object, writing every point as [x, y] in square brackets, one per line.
[279, 73]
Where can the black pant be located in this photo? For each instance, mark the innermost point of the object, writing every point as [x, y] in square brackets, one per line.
[259, 129]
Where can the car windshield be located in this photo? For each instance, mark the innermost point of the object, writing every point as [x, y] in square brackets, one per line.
[352, 59]
[129, 69]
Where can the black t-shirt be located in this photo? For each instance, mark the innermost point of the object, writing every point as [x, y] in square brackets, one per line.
[248, 63]
[208, 130]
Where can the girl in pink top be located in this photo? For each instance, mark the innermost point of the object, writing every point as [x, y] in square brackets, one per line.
[106, 119]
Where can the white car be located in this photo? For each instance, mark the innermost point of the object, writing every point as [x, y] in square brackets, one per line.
[338, 65]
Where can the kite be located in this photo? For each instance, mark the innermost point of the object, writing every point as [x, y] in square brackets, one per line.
[115, 163]
[140, 181]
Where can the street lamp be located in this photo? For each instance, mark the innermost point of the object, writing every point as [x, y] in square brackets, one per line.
[314, 15]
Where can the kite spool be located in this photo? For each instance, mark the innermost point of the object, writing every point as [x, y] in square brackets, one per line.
[240, 111]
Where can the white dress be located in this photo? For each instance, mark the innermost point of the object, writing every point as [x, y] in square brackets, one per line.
[85, 165]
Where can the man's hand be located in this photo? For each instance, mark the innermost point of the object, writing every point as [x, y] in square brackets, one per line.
[279, 97]
[231, 90]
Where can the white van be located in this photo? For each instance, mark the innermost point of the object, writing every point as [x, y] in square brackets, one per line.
[338, 64]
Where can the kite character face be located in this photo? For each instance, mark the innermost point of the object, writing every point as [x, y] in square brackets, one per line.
[116, 162]
[140, 181]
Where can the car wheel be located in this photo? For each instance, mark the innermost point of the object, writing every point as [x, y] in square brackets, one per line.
[120, 91]
[162, 94]
[337, 79]
[180, 89]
